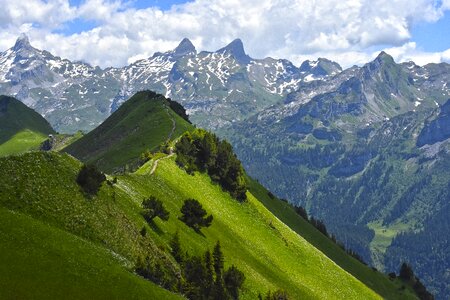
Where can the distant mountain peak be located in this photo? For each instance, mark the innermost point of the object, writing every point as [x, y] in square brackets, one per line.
[22, 42]
[320, 67]
[236, 48]
[185, 47]
[383, 56]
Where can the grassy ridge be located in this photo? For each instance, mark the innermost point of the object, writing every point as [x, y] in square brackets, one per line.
[269, 253]
[143, 122]
[42, 186]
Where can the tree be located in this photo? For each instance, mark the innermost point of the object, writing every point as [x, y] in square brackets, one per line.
[194, 215]
[90, 179]
[406, 272]
[277, 295]
[301, 211]
[218, 291]
[233, 279]
[209, 275]
[218, 260]
[175, 248]
[194, 273]
[154, 208]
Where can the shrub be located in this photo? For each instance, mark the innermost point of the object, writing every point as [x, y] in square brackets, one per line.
[234, 279]
[154, 208]
[90, 179]
[194, 215]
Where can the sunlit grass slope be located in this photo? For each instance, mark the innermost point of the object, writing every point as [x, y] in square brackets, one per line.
[38, 261]
[379, 282]
[22, 141]
[21, 128]
[270, 254]
[49, 207]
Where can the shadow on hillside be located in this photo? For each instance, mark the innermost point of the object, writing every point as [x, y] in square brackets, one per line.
[155, 227]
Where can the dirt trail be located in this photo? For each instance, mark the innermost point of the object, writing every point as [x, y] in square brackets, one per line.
[155, 164]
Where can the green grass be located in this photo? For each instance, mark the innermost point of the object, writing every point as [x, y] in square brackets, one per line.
[38, 261]
[270, 254]
[375, 280]
[16, 117]
[41, 188]
[383, 238]
[21, 142]
[143, 122]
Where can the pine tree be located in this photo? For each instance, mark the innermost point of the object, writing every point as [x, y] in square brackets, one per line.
[233, 279]
[154, 208]
[406, 272]
[219, 291]
[175, 248]
[209, 275]
[194, 215]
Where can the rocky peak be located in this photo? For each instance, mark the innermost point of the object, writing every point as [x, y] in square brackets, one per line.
[22, 42]
[320, 67]
[383, 60]
[236, 48]
[185, 47]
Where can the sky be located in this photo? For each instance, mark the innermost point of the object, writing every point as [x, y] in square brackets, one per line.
[118, 32]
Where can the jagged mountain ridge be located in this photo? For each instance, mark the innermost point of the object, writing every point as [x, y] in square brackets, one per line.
[227, 84]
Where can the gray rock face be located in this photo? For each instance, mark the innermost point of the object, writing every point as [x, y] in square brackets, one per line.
[438, 129]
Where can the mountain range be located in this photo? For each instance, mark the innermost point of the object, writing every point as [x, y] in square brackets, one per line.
[217, 88]
[62, 240]
[365, 149]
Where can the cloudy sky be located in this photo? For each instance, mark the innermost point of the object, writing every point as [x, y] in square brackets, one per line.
[117, 32]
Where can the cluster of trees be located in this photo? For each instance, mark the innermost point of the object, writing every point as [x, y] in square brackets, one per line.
[192, 212]
[320, 226]
[178, 109]
[204, 277]
[205, 152]
[276, 295]
[90, 179]
[407, 275]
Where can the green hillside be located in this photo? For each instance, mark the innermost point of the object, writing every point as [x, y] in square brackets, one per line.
[39, 194]
[142, 123]
[39, 261]
[377, 281]
[21, 128]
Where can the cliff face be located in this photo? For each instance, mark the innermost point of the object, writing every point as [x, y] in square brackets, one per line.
[437, 130]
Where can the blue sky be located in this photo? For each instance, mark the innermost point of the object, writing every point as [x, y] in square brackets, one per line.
[434, 36]
[117, 32]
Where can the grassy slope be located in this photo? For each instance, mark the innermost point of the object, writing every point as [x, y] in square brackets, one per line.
[143, 122]
[42, 186]
[21, 128]
[377, 281]
[21, 142]
[269, 253]
[38, 261]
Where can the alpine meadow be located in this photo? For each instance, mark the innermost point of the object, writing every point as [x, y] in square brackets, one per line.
[306, 157]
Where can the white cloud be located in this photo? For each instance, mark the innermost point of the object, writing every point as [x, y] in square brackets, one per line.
[348, 31]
